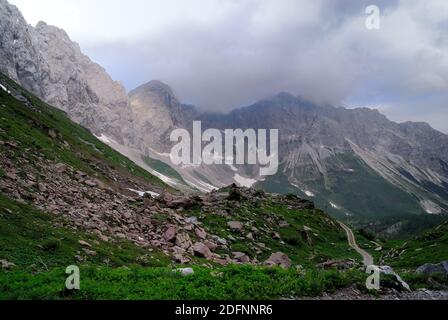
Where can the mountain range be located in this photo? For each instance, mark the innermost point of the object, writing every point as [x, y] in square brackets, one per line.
[354, 163]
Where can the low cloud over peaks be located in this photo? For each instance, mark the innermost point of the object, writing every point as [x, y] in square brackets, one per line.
[221, 55]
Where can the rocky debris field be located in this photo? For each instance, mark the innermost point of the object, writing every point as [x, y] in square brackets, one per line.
[111, 211]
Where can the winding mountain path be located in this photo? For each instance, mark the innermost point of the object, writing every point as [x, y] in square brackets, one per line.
[367, 258]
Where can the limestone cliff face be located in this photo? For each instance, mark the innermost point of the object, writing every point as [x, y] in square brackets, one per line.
[156, 112]
[45, 61]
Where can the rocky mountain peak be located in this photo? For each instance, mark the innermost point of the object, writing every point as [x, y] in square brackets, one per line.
[45, 61]
[155, 111]
[156, 93]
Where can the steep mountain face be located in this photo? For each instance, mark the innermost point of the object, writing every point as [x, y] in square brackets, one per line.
[60, 170]
[156, 112]
[46, 62]
[353, 161]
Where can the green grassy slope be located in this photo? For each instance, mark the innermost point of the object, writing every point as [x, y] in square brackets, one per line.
[37, 241]
[429, 247]
[264, 219]
[358, 191]
[42, 246]
[48, 131]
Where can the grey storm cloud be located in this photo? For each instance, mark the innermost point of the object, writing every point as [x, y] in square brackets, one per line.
[220, 55]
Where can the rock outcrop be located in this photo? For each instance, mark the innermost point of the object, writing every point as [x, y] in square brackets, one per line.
[431, 269]
[46, 62]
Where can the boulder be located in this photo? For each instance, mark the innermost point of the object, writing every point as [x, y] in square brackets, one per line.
[60, 168]
[306, 237]
[179, 258]
[183, 241]
[212, 246]
[185, 271]
[241, 257]
[91, 183]
[283, 224]
[430, 269]
[279, 259]
[201, 233]
[337, 264]
[170, 234]
[235, 225]
[201, 250]
[6, 265]
[85, 244]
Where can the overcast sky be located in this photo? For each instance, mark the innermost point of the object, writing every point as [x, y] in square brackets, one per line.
[225, 54]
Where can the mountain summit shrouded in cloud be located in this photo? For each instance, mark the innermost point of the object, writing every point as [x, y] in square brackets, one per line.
[221, 55]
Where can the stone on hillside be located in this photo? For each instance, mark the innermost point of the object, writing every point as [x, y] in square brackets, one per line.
[42, 187]
[185, 271]
[179, 258]
[89, 252]
[235, 225]
[60, 168]
[279, 259]
[201, 250]
[170, 234]
[212, 246]
[85, 244]
[6, 265]
[183, 241]
[201, 233]
[306, 236]
[241, 257]
[219, 240]
[91, 183]
[337, 264]
[283, 224]
[191, 220]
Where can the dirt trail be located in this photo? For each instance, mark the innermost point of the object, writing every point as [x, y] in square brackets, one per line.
[367, 258]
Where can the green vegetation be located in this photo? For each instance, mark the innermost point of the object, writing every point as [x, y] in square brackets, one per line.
[353, 186]
[36, 241]
[430, 247]
[323, 241]
[43, 245]
[163, 168]
[136, 283]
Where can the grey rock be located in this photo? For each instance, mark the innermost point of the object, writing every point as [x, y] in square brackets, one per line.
[279, 259]
[185, 271]
[6, 265]
[430, 269]
[201, 250]
[241, 257]
[235, 225]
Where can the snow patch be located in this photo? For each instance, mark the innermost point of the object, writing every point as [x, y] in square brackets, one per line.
[430, 207]
[245, 182]
[5, 89]
[309, 193]
[335, 206]
[142, 193]
[105, 139]
[200, 185]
